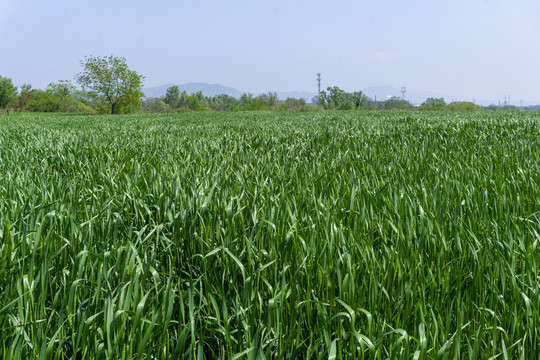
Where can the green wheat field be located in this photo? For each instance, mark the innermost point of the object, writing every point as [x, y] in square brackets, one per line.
[346, 235]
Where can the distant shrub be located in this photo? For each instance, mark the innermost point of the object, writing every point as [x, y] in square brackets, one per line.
[463, 106]
[395, 103]
[433, 104]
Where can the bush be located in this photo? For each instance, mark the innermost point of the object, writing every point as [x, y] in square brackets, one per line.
[395, 103]
[432, 104]
[463, 106]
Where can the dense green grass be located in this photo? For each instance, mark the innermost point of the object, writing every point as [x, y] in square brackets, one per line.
[265, 235]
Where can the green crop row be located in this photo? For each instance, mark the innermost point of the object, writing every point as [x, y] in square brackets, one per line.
[268, 235]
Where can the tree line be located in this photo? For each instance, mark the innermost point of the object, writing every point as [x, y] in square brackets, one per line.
[176, 101]
[107, 85]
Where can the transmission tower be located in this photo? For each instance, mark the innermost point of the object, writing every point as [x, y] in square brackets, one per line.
[403, 91]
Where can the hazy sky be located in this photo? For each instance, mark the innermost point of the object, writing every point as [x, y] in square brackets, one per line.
[467, 48]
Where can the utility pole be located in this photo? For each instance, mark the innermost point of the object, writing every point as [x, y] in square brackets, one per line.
[319, 83]
[403, 91]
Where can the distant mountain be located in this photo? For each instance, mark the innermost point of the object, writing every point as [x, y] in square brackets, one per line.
[209, 90]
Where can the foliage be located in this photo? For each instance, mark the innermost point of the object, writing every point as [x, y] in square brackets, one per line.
[111, 77]
[342, 235]
[332, 98]
[359, 99]
[249, 102]
[56, 98]
[158, 106]
[7, 90]
[194, 103]
[433, 104]
[335, 98]
[223, 103]
[172, 96]
[271, 99]
[463, 106]
[396, 103]
[43, 102]
[293, 105]
[21, 100]
[175, 101]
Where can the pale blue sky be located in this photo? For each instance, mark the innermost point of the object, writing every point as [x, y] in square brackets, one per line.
[467, 48]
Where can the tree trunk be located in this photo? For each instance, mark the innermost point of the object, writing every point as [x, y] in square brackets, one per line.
[112, 108]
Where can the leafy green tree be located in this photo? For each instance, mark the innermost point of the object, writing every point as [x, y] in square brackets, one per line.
[172, 96]
[271, 99]
[58, 97]
[322, 100]
[347, 103]
[246, 98]
[159, 106]
[7, 90]
[396, 103]
[111, 77]
[223, 102]
[21, 100]
[199, 95]
[183, 100]
[44, 101]
[87, 98]
[335, 98]
[360, 100]
[63, 89]
[293, 105]
[194, 103]
[203, 100]
[432, 104]
[249, 102]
